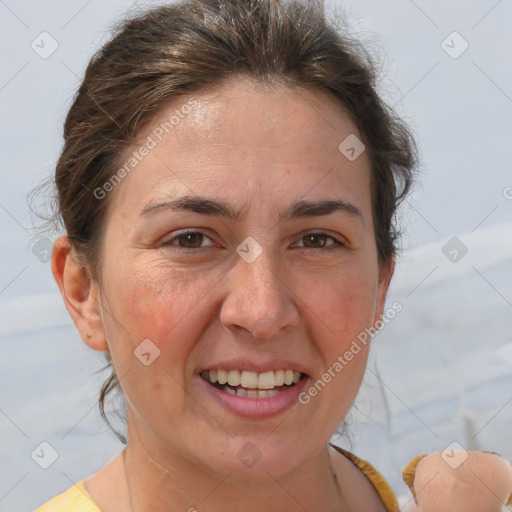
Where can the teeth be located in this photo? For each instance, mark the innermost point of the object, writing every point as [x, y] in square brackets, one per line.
[234, 378]
[279, 377]
[222, 377]
[253, 393]
[266, 380]
[253, 380]
[249, 380]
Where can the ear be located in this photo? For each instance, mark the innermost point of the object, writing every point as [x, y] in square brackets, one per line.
[80, 293]
[385, 275]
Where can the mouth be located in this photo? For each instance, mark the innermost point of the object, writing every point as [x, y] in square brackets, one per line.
[249, 384]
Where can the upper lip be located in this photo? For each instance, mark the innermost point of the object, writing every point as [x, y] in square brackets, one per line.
[258, 367]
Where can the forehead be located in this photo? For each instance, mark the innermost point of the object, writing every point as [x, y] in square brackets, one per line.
[246, 112]
[267, 139]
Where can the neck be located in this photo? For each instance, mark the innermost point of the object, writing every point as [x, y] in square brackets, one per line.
[159, 481]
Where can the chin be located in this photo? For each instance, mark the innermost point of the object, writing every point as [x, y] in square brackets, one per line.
[255, 459]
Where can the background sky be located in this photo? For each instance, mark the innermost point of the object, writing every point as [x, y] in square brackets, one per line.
[443, 367]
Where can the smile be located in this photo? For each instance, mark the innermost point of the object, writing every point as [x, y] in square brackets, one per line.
[249, 384]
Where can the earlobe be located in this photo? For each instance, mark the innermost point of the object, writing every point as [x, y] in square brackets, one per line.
[80, 294]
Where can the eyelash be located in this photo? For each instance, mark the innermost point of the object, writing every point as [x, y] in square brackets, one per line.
[337, 245]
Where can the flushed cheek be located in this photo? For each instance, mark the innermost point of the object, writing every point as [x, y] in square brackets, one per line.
[171, 335]
[152, 337]
[349, 310]
[158, 303]
[343, 307]
[155, 354]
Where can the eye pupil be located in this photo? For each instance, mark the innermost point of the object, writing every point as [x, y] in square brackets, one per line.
[192, 240]
[315, 236]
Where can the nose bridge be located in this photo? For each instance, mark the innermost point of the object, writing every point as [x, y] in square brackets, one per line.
[258, 300]
[262, 275]
[257, 281]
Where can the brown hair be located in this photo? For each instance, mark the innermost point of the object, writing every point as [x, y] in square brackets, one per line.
[170, 51]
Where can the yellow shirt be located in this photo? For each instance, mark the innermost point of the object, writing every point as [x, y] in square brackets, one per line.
[76, 498]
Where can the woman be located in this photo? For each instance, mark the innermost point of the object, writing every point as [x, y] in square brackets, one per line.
[228, 185]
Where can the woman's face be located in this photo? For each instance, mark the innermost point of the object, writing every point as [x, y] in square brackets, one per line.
[262, 282]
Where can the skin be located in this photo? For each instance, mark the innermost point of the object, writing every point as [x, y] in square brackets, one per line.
[260, 148]
[475, 482]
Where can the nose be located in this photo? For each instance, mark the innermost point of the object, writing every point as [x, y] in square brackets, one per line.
[260, 299]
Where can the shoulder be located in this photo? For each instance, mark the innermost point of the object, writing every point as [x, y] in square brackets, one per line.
[373, 477]
[75, 499]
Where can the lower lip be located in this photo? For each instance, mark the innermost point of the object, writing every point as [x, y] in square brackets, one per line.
[257, 407]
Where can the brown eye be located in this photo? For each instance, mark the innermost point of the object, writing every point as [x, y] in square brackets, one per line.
[315, 240]
[318, 240]
[320, 243]
[190, 240]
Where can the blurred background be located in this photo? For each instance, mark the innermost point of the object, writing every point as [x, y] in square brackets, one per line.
[440, 372]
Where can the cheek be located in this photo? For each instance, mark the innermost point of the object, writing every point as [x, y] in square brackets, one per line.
[170, 309]
[344, 304]
[156, 300]
[157, 314]
[350, 303]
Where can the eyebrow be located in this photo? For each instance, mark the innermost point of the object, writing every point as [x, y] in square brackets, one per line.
[299, 209]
